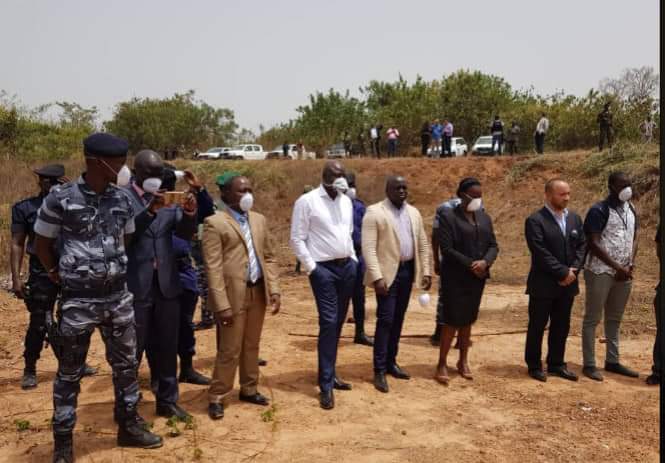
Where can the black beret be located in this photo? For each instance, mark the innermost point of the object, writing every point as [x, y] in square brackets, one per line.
[50, 170]
[105, 145]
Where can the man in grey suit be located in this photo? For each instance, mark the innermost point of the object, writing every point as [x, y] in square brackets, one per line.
[153, 278]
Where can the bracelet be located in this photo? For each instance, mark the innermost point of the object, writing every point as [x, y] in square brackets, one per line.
[53, 270]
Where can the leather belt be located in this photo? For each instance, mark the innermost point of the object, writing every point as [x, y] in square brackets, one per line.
[91, 293]
[339, 262]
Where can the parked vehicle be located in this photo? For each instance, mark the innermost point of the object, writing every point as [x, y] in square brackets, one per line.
[248, 152]
[215, 153]
[483, 146]
[278, 153]
[458, 147]
[336, 151]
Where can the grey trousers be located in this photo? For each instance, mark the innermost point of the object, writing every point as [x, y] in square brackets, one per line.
[608, 297]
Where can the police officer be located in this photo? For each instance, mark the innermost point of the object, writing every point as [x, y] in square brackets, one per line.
[92, 221]
[604, 120]
[40, 293]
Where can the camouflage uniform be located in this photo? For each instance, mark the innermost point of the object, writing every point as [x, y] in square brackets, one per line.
[90, 231]
[41, 292]
[202, 283]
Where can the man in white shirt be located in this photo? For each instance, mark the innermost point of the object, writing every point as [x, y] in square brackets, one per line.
[396, 253]
[321, 229]
[541, 129]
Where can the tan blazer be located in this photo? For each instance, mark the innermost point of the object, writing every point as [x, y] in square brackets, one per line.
[226, 260]
[380, 244]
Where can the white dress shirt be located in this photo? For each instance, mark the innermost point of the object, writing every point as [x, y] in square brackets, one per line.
[404, 231]
[543, 125]
[321, 228]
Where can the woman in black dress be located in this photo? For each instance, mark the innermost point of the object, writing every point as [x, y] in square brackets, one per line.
[468, 249]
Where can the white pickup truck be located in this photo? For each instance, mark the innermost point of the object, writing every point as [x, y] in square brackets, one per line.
[248, 152]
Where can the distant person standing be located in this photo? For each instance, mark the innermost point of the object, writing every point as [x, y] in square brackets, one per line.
[425, 138]
[346, 140]
[393, 134]
[285, 150]
[497, 134]
[541, 129]
[437, 135]
[375, 139]
[300, 149]
[513, 138]
[555, 237]
[604, 120]
[611, 227]
[447, 138]
[646, 129]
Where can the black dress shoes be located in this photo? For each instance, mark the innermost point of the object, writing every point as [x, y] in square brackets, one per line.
[593, 373]
[327, 400]
[621, 370]
[262, 362]
[191, 376]
[363, 339]
[398, 373]
[380, 382]
[563, 372]
[538, 374]
[341, 385]
[216, 411]
[256, 399]
[171, 410]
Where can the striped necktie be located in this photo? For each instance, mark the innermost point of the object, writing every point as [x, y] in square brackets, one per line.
[253, 262]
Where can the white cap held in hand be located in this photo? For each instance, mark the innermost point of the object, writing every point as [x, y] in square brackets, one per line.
[424, 299]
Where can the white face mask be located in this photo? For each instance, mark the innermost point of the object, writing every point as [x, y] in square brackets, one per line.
[424, 299]
[626, 194]
[151, 185]
[340, 184]
[246, 202]
[475, 205]
[351, 193]
[179, 174]
[124, 175]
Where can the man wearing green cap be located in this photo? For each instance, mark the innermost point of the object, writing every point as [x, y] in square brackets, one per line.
[242, 280]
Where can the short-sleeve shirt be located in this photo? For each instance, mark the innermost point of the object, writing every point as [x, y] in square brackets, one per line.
[437, 131]
[89, 229]
[24, 215]
[617, 234]
[450, 204]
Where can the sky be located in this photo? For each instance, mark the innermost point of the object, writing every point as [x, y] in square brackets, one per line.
[263, 58]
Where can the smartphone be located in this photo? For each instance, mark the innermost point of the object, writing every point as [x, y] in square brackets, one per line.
[174, 197]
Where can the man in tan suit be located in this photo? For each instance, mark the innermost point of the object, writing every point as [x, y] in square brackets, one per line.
[242, 276]
[396, 252]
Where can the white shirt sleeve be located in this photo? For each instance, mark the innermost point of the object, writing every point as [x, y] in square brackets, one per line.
[299, 233]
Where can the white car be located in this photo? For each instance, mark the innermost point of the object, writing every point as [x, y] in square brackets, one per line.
[336, 151]
[278, 153]
[214, 153]
[458, 147]
[247, 152]
[483, 146]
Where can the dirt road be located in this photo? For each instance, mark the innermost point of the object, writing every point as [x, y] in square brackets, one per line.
[502, 415]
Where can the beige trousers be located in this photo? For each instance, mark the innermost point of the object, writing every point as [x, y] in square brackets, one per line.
[238, 345]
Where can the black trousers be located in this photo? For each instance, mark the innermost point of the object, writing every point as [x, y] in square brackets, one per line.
[424, 144]
[40, 299]
[157, 329]
[358, 296]
[557, 311]
[186, 340]
[605, 134]
[540, 142]
[447, 145]
[376, 147]
[657, 367]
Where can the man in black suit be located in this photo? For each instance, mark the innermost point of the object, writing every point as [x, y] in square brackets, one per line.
[153, 277]
[557, 244]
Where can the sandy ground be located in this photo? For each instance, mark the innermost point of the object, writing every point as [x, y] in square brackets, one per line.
[502, 415]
